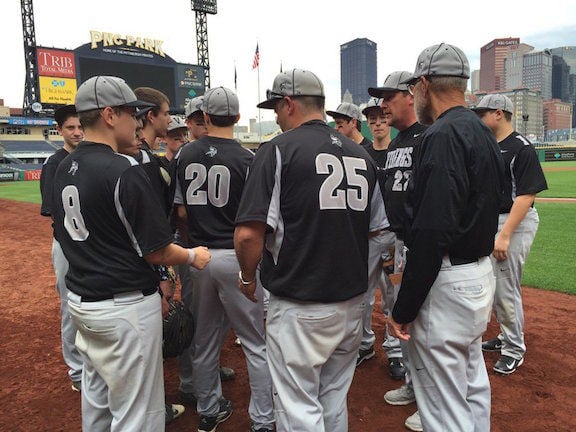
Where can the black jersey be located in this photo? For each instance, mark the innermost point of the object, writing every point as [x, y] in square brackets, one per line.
[107, 220]
[47, 180]
[397, 172]
[159, 177]
[210, 179]
[379, 157]
[524, 174]
[365, 142]
[316, 190]
[454, 195]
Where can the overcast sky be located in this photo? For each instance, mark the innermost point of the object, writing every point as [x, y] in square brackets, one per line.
[306, 34]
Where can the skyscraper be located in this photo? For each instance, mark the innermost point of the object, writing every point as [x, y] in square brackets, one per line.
[492, 56]
[358, 69]
[537, 72]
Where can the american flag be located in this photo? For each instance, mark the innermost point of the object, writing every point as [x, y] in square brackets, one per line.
[256, 61]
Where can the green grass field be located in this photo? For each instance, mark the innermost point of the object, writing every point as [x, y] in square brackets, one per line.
[25, 191]
[561, 184]
[552, 261]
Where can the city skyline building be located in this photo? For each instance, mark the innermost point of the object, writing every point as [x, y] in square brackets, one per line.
[514, 65]
[492, 56]
[358, 69]
[537, 72]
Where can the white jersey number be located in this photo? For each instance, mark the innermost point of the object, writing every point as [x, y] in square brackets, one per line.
[401, 180]
[73, 220]
[330, 197]
[218, 177]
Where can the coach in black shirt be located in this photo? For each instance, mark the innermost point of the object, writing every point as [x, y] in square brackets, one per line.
[315, 193]
[447, 289]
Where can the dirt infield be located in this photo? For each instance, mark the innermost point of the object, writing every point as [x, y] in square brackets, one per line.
[35, 393]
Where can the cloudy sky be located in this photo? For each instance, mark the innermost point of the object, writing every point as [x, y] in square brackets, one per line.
[306, 34]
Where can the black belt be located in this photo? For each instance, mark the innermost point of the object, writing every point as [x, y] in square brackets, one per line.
[461, 261]
[145, 293]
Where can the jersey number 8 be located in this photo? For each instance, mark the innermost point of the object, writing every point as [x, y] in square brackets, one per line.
[218, 185]
[73, 220]
[330, 197]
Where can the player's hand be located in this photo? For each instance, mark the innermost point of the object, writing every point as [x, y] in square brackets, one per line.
[201, 258]
[501, 247]
[167, 289]
[401, 331]
[249, 290]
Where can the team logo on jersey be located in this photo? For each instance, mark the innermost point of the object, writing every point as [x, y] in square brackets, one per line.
[211, 151]
[335, 140]
[73, 168]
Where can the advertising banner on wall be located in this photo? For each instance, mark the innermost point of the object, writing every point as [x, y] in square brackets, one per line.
[57, 90]
[56, 63]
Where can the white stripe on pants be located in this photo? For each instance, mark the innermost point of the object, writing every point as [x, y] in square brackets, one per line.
[312, 350]
[448, 370]
[123, 380]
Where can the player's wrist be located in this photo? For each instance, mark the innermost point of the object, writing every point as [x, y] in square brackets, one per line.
[244, 281]
[191, 256]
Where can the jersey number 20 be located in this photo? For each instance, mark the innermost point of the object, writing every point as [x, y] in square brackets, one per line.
[218, 177]
[73, 220]
[330, 197]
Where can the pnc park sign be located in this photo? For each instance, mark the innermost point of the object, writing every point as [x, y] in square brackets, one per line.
[104, 39]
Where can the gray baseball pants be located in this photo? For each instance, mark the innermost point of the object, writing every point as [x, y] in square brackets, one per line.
[123, 377]
[312, 350]
[378, 247]
[216, 299]
[448, 370]
[68, 332]
[508, 297]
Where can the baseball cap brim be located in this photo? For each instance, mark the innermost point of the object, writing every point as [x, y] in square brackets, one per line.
[269, 103]
[142, 111]
[412, 80]
[139, 104]
[337, 114]
[378, 92]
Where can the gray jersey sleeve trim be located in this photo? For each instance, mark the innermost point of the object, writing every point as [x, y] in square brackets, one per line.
[123, 219]
[274, 217]
[178, 197]
[378, 217]
[133, 161]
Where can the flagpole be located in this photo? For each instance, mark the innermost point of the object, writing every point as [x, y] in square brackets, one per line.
[259, 118]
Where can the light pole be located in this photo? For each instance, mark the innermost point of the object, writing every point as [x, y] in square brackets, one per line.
[525, 118]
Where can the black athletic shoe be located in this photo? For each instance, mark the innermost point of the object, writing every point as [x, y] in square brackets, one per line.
[209, 423]
[187, 398]
[396, 368]
[492, 345]
[365, 354]
[507, 365]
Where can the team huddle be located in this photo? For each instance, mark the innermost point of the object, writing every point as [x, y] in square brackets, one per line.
[288, 245]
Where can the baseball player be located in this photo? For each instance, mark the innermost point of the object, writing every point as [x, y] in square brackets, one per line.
[310, 201]
[380, 249]
[70, 129]
[176, 137]
[398, 104]
[447, 287]
[196, 130]
[517, 227]
[348, 121]
[103, 211]
[210, 178]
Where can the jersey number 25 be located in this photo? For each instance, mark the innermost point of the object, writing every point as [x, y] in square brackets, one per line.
[330, 196]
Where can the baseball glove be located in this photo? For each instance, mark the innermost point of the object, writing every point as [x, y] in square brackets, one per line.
[178, 330]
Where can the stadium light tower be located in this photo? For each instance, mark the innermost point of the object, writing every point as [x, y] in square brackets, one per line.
[31, 88]
[203, 7]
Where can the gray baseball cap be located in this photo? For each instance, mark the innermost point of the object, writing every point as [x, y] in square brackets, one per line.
[440, 60]
[221, 101]
[346, 109]
[176, 123]
[106, 91]
[372, 103]
[394, 82]
[295, 82]
[194, 105]
[494, 102]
